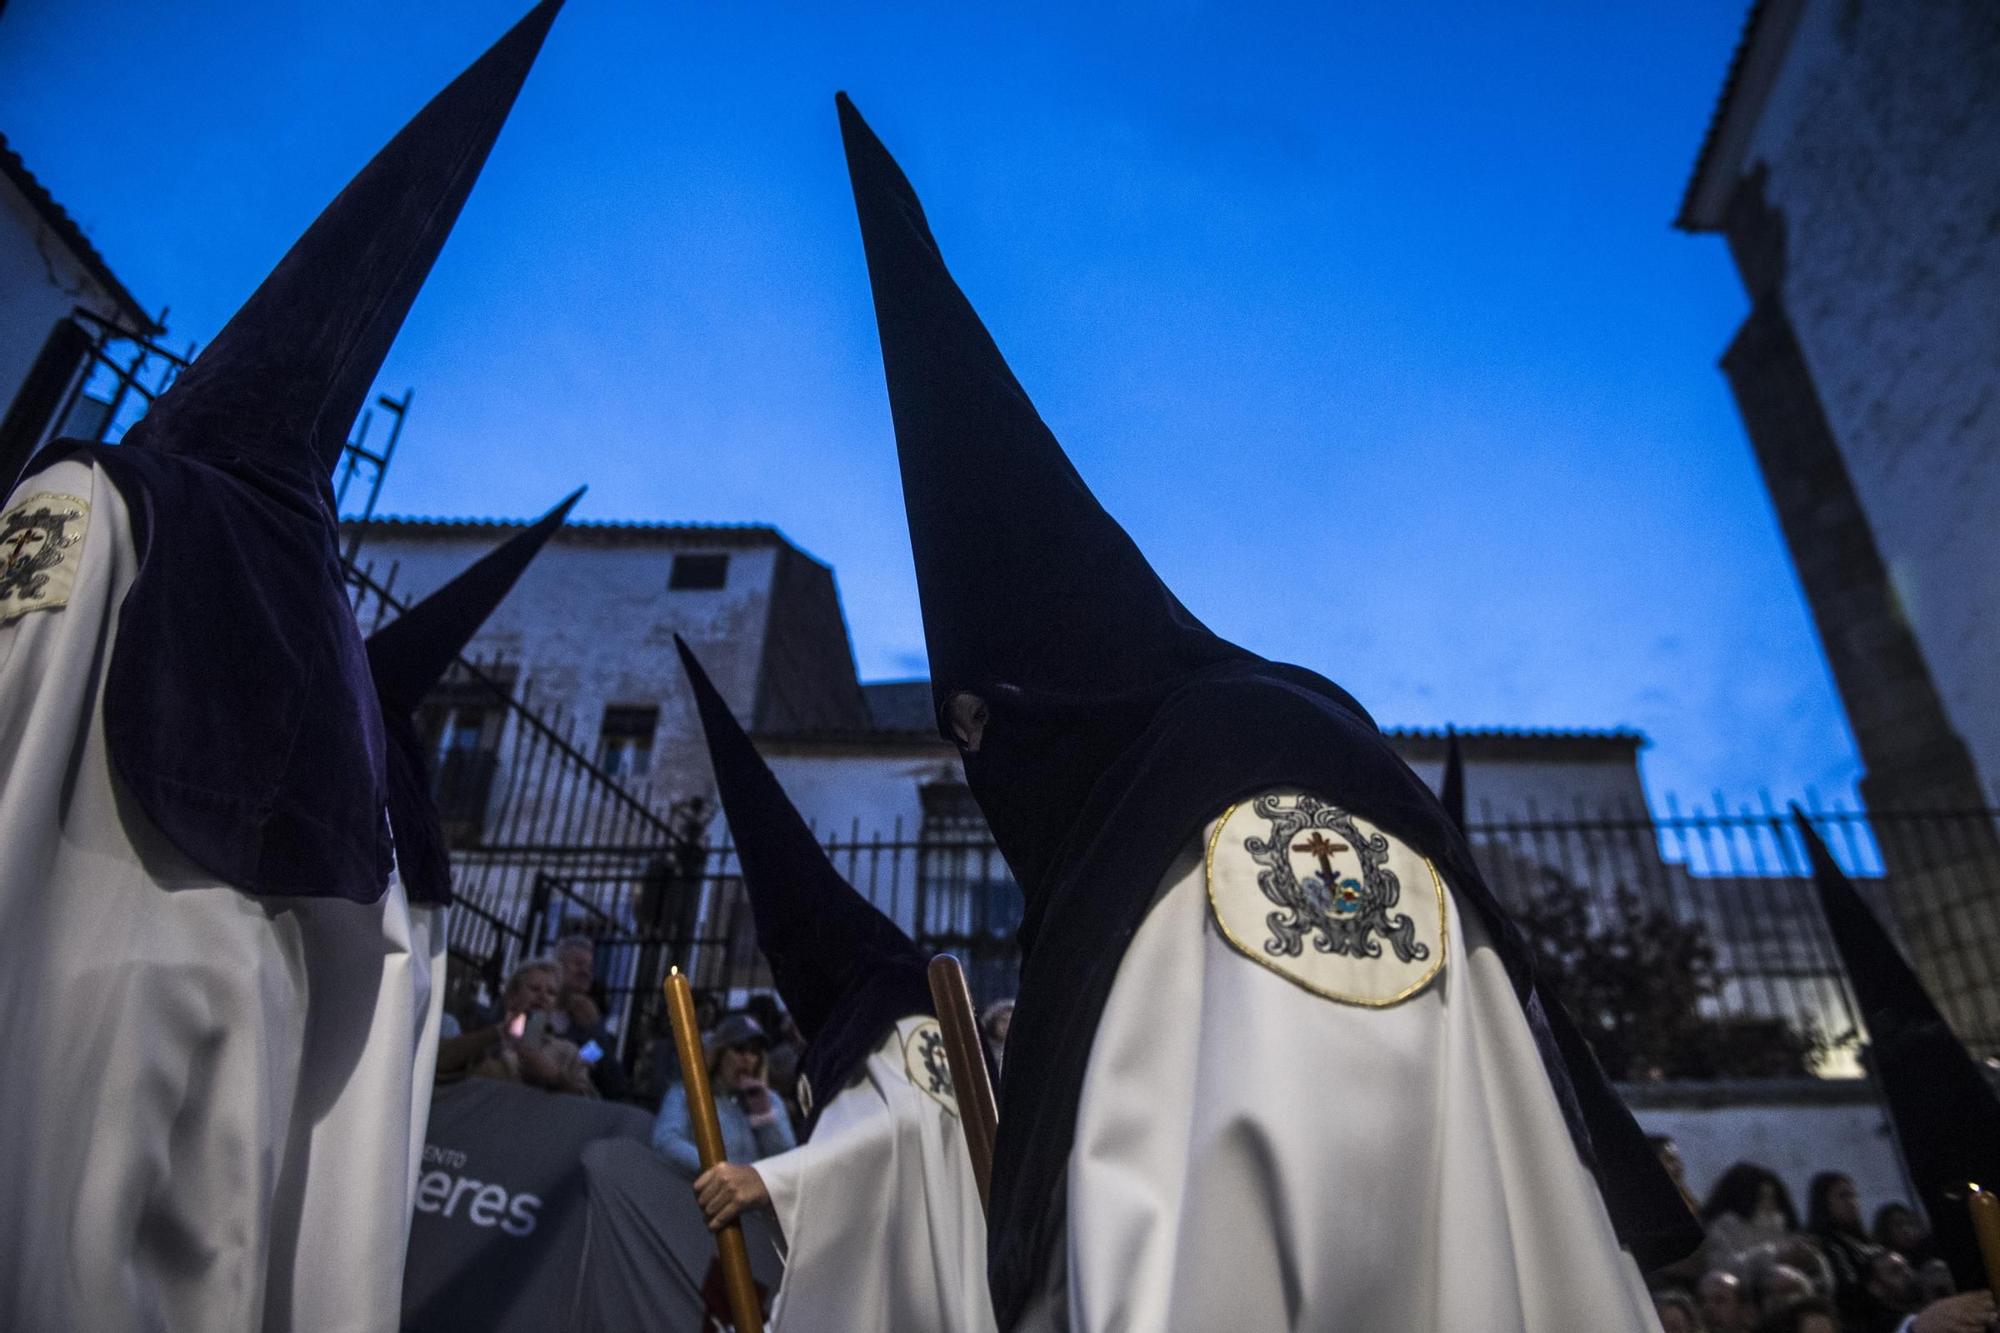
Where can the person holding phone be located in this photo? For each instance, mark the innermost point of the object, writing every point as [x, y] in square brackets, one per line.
[519, 1048]
[579, 1015]
[754, 1120]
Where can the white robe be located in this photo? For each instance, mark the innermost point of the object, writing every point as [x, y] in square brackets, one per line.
[1252, 1155]
[879, 1211]
[213, 1102]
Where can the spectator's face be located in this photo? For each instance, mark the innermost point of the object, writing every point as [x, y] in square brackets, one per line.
[1781, 1285]
[1892, 1282]
[1670, 1158]
[1903, 1232]
[532, 991]
[1843, 1204]
[1001, 1022]
[1721, 1302]
[579, 966]
[738, 1065]
[1934, 1282]
[1768, 1212]
[1673, 1319]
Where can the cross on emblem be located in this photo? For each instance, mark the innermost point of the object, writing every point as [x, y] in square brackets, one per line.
[1321, 848]
[935, 1063]
[21, 542]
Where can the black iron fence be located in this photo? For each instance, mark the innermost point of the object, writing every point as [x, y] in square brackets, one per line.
[1703, 922]
[1735, 885]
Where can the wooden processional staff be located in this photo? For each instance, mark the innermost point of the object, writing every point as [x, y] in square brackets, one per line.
[963, 1050]
[735, 1255]
[1985, 1206]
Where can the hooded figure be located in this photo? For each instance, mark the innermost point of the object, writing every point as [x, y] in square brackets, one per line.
[1278, 1059]
[1451, 792]
[878, 1207]
[406, 659]
[195, 860]
[1946, 1114]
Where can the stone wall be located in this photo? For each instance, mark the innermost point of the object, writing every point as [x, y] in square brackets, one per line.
[40, 282]
[591, 624]
[1877, 141]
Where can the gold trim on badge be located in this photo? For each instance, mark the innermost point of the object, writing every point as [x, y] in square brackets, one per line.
[1222, 926]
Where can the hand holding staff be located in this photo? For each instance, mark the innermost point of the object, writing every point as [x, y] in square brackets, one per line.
[962, 1049]
[743, 1305]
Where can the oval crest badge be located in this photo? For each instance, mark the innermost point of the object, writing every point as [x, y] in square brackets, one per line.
[925, 1062]
[1326, 899]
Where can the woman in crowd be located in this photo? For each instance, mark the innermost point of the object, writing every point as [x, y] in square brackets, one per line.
[1833, 1220]
[1898, 1228]
[994, 1020]
[1747, 1214]
[519, 1047]
[754, 1122]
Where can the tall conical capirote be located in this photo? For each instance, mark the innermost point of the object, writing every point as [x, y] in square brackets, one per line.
[820, 936]
[846, 972]
[409, 655]
[1034, 598]
[1946, 1114]
[283, 380]
[407, 658]
[1451, 793]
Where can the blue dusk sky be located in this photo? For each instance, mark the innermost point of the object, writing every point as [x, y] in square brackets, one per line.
[1366, 319]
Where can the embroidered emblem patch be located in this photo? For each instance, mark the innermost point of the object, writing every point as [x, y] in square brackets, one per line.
[925, 1062]
[1326, 900]
[41, 545]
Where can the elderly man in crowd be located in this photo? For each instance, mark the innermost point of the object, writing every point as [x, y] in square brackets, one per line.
[520, 1047]
[578, 1016]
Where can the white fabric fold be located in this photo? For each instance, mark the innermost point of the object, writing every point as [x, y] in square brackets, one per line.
[879, 1213]
[1252, 1155]
[213, 1101]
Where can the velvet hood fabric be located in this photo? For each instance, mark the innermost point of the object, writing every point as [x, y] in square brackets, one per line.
[238, 708]
[846, 972]
[1114, 725]
[1946, 1115]
[406, 659]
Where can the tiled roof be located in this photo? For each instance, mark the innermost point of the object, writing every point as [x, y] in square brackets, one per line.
[901, 714]
[899, 705]
[600, 530]
[1609, 735]
[1753, 68]
[58, 220]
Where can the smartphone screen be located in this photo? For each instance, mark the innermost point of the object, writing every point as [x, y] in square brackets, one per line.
[517, 1025]
[590, 1053]
[537, 1022]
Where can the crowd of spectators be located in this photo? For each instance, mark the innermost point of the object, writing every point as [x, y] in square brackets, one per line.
[550, 1029]
[1762, 1270]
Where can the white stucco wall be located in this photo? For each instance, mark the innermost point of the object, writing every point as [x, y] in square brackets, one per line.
[1879, 137]
[1821, 1129]
[40, 282]
[592, 624]
[1519, 789]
